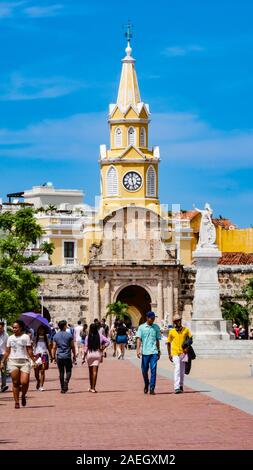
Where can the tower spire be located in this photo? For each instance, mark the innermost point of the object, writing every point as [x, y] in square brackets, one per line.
[128, 93]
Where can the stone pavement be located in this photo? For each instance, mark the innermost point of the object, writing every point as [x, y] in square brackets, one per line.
[120, 416]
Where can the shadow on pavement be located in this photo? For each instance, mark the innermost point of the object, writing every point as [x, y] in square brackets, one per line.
[41, 406]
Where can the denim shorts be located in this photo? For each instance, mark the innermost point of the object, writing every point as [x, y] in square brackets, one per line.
[121, 339]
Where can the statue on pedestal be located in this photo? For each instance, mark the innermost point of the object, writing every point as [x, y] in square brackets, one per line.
[207, 232]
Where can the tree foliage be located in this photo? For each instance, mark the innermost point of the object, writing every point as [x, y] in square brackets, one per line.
[236, 312]
[18, 285]
[119, 310]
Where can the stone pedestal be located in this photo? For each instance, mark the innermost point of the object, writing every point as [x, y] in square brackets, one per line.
[207, 323]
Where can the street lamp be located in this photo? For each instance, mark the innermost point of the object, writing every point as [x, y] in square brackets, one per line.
[42, 303]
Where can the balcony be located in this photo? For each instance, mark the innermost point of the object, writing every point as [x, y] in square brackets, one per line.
[70, 261]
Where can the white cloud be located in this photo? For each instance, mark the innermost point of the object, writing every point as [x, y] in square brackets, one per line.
[8, 9]
[25, 8]
[76, 137]
[43, 11]
[180, 51]
[183, 137]
[21, 88]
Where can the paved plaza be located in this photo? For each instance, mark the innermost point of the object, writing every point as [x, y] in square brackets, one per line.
[120, 416]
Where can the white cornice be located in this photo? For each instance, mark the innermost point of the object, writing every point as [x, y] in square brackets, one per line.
[147, 160]
[129, 120]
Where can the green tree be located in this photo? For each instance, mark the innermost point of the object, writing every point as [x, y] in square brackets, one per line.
[119, 310]
[236, 312]
[18, 284]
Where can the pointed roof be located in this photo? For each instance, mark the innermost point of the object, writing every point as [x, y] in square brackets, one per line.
[129, 93]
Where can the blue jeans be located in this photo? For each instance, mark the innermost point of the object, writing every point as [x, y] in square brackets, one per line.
[149, 360]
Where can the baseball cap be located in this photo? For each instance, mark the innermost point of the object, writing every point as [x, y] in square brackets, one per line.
[150, 315]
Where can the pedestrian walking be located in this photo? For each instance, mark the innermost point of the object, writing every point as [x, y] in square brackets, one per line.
[148, 348]
[63, 345]
[42, 352]
[104, 330]
[78, 339]
[113, 335]
[121, 338]
[19, 352]
[3, 344]
[176, 339]
[95, 344]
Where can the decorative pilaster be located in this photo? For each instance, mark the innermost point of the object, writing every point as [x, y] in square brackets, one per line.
[160, 301]
[96, 299]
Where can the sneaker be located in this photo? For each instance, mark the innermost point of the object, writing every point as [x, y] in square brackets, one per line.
[63, 391]
[152, 391]
[3, 389]
[146, 389]
[181, 388]
[41, 389]
[119, 356]
[178, 390]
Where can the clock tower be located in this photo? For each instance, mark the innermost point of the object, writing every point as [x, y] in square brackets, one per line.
[129, 169]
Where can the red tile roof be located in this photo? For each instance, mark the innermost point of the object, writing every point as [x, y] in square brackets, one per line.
[236, 258]
[224, 223]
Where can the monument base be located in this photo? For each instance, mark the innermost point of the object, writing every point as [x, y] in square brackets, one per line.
[221, 349]
[209, 330]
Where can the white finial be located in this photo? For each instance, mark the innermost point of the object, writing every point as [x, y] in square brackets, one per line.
[128, 49]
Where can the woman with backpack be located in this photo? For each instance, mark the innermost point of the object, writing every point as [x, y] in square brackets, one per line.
[93, 353]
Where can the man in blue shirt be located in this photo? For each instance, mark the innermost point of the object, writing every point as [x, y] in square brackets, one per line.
[148, 340]
[63, 343]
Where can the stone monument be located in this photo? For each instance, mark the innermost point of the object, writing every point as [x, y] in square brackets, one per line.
[207, 323]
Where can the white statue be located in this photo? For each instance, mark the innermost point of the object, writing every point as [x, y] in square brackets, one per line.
[207, 232]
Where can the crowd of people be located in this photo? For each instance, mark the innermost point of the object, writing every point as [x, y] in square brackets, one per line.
[25, 349]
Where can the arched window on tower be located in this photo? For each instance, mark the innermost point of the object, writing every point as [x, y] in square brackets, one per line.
[112, 182]
[142, 137]
[131, 136]
[151, 181]
[118, 137]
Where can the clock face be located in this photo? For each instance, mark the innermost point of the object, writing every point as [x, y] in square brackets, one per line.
[132, 181]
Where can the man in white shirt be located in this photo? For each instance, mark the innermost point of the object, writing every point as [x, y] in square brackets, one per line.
[78, 339]
[3, 344]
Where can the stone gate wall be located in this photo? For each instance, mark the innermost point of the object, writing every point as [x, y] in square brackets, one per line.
[231, 279]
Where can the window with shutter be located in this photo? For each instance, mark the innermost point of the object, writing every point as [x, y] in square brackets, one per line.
[131, 136]
[143, 137]
[112, 182]
[118, 137]
[151, 181]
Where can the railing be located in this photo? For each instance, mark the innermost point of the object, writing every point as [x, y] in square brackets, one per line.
[70, 261]
[69, 221]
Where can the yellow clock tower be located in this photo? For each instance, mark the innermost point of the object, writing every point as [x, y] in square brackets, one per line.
[129, 170]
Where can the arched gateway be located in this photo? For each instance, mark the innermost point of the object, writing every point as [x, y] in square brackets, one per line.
[139, 302]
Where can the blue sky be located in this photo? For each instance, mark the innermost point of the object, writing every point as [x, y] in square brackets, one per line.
[60, 64]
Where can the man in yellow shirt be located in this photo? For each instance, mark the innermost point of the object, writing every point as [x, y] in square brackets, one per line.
[177, 354]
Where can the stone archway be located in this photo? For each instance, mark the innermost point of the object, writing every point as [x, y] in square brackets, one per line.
[139, 302]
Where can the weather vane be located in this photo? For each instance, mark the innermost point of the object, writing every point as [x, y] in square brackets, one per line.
[128, 31]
